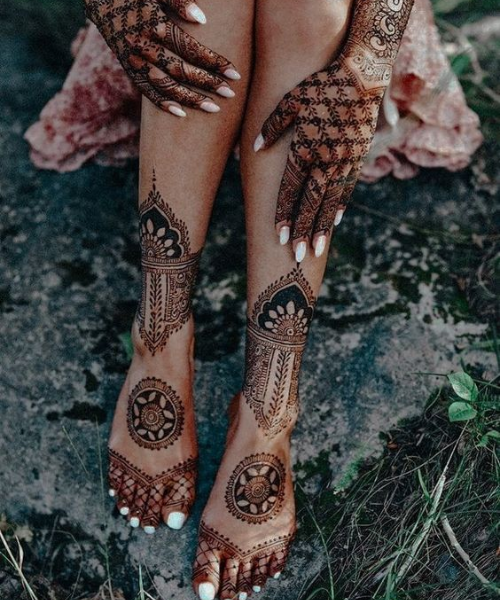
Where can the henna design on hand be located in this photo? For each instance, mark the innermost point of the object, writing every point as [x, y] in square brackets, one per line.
[155, 415]
[173, 488]
[158, 55]
[212, 545]
[276, 337]
[168, 272]
[256, 489]
[334, 113]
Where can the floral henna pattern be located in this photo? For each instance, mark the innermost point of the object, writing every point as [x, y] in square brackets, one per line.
[253, 563]
[334, 113]
[168, 272]
[174, 488]
[256, 489]
[276, 337]
[155, 414]
[140, 33]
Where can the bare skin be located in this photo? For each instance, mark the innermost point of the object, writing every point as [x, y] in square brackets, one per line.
[240, 546]
[153, 441]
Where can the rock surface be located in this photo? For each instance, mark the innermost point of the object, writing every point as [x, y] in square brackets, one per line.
[391, 306]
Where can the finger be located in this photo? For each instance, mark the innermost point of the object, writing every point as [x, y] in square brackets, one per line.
[178, 69]
[326, 218]
[185, 46]
[187, 9]
[310, 202]
[351, 183]
[277, 122]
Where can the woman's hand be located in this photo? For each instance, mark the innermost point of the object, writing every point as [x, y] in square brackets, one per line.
[334, 119]
[163, 61]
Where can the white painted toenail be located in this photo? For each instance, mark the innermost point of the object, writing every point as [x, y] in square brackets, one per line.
[124, 510]
[256, 588]
[206, 591]
[134, 522]
[277, 575]
[176, 520]
[149, 529]
[112, 493]
[243, 596]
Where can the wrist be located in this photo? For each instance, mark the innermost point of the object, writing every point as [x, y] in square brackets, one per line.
[374, 73]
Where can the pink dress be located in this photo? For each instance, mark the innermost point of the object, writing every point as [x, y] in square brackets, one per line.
[425, 120]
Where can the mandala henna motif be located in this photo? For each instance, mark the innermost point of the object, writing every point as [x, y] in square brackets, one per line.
[212, 544]
[155, 415]
[276, 338]
[256, 489]
[168, 273]
[173, 488]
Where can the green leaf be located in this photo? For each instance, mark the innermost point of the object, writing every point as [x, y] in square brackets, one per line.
[461, 411]
[463, 386]
[126, 340]
[493, 434]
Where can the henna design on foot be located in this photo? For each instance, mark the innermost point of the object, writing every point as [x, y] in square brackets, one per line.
[169, 272]
[155, 414]
[276, 338]
[256, 489]
[148, 496]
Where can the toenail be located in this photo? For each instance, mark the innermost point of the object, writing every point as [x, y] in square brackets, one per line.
[149, 529]
[277, 575]
[176, 521]
[256, 588]
[206, 591]
[124, 510]
[134, 522]
[112, 493]
[243, 596]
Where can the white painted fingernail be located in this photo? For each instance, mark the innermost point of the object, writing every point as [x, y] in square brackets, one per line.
[320, 246]
[284, 235]
[277, 575]
[176, 520]
[178, 112]
[243, 596]
[300, 252]
[112, 493]
[338, 217]
[197, 14]
[124, 510]
[226, 92]
[206, 591]
[149, 529]
[259, 142]
[232, 74]
[134, 522]
[210, 107]
[256, 588]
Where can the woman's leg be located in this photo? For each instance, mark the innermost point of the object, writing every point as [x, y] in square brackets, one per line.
[250, 517]
[153, 442]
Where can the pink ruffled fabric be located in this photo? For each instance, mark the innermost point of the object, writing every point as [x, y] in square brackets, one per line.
[425, 121]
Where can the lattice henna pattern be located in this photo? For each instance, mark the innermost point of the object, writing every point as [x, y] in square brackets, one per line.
[276, 337]
[253, 563]
[168, 272]
[173, 488]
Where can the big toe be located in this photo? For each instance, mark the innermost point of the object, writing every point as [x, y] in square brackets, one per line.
[206, 571]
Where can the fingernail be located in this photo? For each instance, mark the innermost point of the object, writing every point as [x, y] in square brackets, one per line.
[277, 575]
[256, 588]
[149, 529]
[243, 596]
[124, 510]
[206, 591]
[300, 252]
[226, 92]
[176, 520]
[259, 142]
[338, 217]
[112, 493]
[284, 235]
[209, 107]
[197, 14]
[178, 112]
[320, 246]
[232, 74]
[134, 522]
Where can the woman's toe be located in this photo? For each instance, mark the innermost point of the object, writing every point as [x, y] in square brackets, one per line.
[245, 580]
[260, 573]
[206, 591]
[206, 571]
[229, 579]
[151, 516]
[174, 518]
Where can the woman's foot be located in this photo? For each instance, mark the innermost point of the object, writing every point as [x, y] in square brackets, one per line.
[249, 520]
